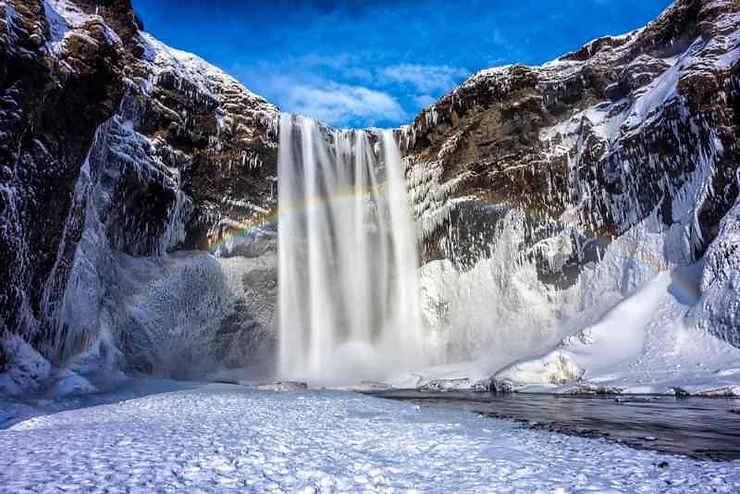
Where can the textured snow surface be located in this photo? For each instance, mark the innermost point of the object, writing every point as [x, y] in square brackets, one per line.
[640, 346]
[222, 438]
[25, 368]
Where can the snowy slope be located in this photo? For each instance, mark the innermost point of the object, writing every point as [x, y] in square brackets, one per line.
[631, 323]
[225, 438]
[642, 345]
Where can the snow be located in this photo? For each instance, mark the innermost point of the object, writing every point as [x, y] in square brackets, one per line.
[635, 321]
[70, 383]
[209, 79]
[219, 438]
[58, 25]
[66, 18]
[719, 308]
[640, 346]
[25, 368]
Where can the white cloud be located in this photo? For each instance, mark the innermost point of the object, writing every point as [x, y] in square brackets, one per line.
[338, 104]
[424, 100]
[424, 78]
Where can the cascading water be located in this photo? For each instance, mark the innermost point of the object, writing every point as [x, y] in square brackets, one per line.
[348, 277]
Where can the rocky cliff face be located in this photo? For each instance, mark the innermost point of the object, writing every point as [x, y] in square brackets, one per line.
[636, 133]
[112, 145]
[536, 189]
[58, 85]
[601, 137]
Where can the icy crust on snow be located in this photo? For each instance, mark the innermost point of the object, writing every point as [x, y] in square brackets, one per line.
[225, 438]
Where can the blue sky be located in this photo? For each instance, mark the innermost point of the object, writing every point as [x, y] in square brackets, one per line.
[378, 62]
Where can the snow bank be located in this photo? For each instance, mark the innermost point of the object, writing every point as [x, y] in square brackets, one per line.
[643, 345]
[71, 383]
[226, 438]
[21, 367]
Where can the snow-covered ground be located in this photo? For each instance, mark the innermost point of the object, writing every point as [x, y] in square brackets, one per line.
[221, 437]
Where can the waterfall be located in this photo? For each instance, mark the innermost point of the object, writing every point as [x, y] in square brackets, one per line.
[348, 277]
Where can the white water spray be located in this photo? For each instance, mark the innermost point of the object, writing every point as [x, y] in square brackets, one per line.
[348, 277]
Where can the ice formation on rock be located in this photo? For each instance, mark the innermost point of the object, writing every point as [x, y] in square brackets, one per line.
[548, 200]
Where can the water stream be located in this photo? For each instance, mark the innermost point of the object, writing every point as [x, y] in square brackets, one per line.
[348, 277]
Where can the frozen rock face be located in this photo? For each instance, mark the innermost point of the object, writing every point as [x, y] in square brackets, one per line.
[600, 137]
[116, 148]
[632, 137]
[219, 135]
[544, 195]
[719, 309]
[59, 80]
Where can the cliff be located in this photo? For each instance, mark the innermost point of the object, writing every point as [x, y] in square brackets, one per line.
[121, 158]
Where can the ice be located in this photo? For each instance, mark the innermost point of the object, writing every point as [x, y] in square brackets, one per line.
[219, 438]
[70, 383]
[25, 369]
[643, 345]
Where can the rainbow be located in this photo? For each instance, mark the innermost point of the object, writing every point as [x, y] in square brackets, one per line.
[684, 286]
[239, 229]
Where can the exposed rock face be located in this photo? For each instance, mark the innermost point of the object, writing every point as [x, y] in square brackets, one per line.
[222, 137]
[58, 84]
[599, 138]
[637, 132]
[112, 143]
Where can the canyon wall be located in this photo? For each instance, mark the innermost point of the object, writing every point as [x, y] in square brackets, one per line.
[535, 189]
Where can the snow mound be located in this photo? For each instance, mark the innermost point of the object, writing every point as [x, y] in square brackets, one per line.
[557, 367]
[21, 367]
[642, 345]
[71, 383]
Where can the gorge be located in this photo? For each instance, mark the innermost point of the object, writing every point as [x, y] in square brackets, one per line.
[575, 222]
[534, 286]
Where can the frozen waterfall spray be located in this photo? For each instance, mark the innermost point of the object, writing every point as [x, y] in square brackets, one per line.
[348, 277]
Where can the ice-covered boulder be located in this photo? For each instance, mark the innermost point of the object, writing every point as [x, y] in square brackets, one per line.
[22, 369]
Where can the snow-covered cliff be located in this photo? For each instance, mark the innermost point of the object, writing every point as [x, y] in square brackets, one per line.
[547, 194]
[116, 151]
[547, 199]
